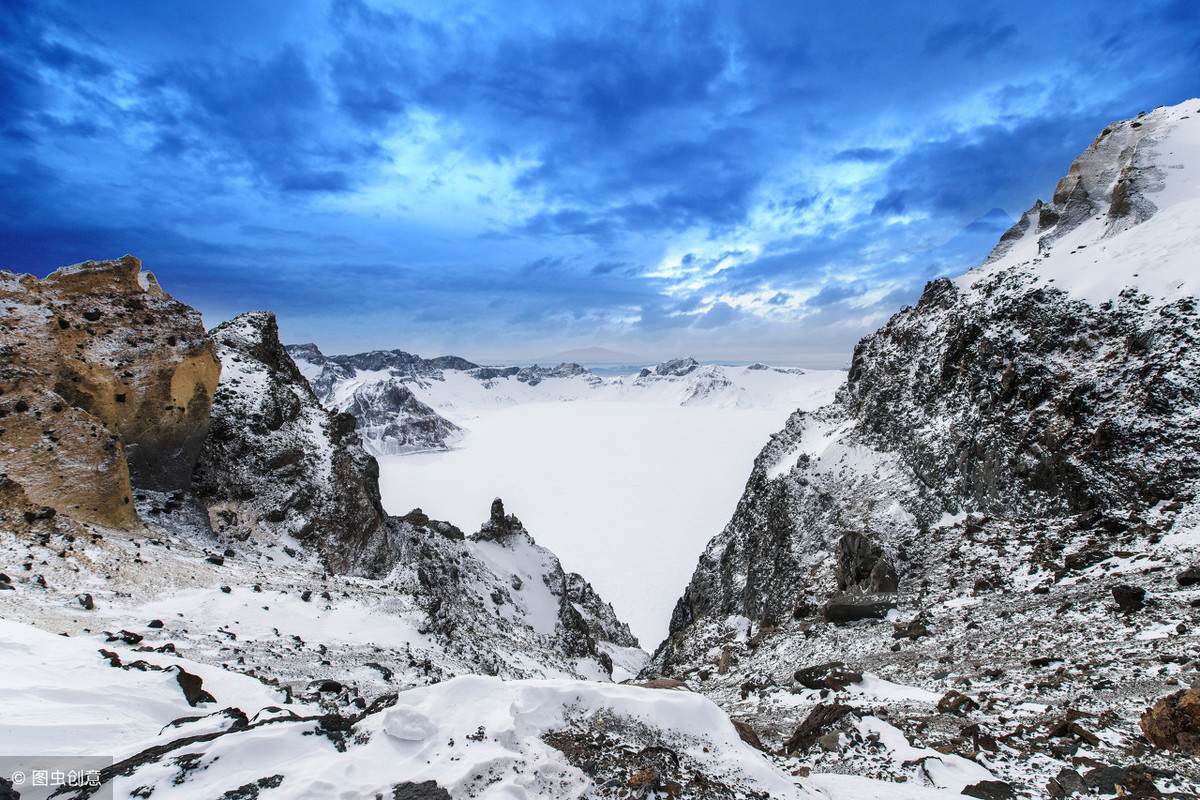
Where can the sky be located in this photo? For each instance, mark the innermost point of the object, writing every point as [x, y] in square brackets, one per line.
[506, 180]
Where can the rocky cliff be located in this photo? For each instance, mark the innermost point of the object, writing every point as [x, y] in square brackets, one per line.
[1009, 470]
[107, 382]
[278, 467]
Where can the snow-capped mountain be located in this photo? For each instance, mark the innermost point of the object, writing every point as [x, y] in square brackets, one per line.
[405, 403]
[1009, 475]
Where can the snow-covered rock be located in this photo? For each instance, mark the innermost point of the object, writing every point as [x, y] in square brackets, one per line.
[1012, 446]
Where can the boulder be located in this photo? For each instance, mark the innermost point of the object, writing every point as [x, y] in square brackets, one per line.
[1173, 722]
[1189, 576]
[1129, 598]
[827, 676]
[842, 609]
[815, 725]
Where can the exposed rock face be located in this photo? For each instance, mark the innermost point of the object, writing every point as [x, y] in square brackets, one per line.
[277, 464]
[100, 367]
[997, 393]
[391, 419]
[1021, 453]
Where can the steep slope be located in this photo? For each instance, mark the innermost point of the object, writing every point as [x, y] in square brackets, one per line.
[1022, 432]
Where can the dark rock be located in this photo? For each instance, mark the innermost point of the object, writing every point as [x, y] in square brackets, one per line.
[1189, 576]
[747, 735]
[827, 676]
[955, 702]
[1129, 598]
[6, 790]
[86, 601]
[425, 790]
[1070, 782]
[990, 790]
[193, 688]
[155, 623]
[815, 725]
[215, 559]
[1173, 722]
[844, 609]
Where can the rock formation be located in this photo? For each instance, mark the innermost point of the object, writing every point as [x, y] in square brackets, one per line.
[278, 467]
[100, 367]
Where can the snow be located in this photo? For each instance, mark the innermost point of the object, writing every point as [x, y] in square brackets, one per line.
[476, 737]
[626, 493]
[1157, 256]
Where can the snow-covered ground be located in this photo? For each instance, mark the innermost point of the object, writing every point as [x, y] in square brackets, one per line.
[625, 492]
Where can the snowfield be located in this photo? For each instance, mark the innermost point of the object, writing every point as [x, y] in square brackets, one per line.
[626, 493]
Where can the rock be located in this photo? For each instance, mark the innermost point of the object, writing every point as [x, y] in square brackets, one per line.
[116, 393]
[215, 559]
[914, 630]
[813, 727]
[1189, 576]
[1173, 722]
[193, 688]
[843, 609]
[1120, 780]
[1129, 598]
[857, 555]
[154, 623]
[425, 790]
[747, 735]
[1070, 783]
[830, 742]
[955, 702]
[323, 488]
[990, 790]
[86, 601]
[883, 578]
[6, 790]
[827, 676]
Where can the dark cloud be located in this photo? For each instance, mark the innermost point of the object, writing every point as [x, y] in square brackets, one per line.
[869, 154]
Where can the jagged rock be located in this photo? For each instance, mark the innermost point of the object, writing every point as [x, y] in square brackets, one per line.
[6, 790]
[1129, 598]
[86, 601]
[1067, 783]
[677, 367]
[1173, 722]
[276, 464]
[100, 367]
[193, 688]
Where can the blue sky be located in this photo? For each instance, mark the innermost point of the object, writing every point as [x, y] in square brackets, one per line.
[744, 180]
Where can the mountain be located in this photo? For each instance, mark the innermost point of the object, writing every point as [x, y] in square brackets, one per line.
[992, 529]
[405, 403]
